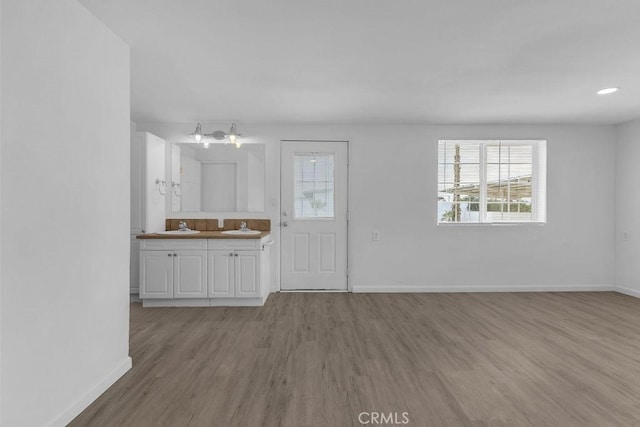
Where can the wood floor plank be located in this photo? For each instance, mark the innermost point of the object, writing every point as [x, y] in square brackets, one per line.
[311, 359]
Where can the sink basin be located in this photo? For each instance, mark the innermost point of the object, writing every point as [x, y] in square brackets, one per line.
[179, 232]
[243, 232]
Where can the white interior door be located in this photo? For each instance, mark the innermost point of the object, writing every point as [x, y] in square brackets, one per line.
[314, 215]
[219, 187]
[190, 185]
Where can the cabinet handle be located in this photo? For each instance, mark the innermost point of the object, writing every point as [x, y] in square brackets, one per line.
[230, 253]
[236, 254]
[175, 254]
[168, 254]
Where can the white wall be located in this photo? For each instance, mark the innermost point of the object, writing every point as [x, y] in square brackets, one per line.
[255, 181]
[65, 210]
[628, 208]
[393, 175]
[0, 213]
[574, 248]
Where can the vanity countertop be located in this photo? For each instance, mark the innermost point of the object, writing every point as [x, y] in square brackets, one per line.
[204, 235]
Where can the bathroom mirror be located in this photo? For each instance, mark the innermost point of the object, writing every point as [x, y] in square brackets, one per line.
[219, 178]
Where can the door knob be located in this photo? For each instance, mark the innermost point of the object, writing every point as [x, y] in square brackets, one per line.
[230, 253]
[168, 254]
[285, 223]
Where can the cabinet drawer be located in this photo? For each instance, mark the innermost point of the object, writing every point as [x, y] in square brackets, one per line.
[239, 244]
[173, 244]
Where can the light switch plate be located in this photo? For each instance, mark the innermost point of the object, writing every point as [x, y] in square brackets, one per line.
[375, 236]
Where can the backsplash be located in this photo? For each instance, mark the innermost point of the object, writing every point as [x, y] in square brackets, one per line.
[253, 224]
[194, 224]
[211, 224]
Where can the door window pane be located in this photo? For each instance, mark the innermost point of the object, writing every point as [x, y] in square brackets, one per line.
[314, 189]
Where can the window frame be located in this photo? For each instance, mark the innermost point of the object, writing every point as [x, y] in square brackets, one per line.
[538, 181]
[314, 218]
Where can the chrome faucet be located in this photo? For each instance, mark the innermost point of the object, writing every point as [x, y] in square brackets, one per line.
[243, 225]
[182, 226]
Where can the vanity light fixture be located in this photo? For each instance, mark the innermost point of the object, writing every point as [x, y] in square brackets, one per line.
[608, 91]
[232, 136]
[197, 134]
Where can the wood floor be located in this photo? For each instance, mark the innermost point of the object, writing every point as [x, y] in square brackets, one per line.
[538, 359]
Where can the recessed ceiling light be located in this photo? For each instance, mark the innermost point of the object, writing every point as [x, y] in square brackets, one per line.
[608, 90]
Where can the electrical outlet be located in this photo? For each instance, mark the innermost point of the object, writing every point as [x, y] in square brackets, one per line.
[375, 236]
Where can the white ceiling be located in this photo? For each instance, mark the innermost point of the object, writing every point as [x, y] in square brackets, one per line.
[380, 61]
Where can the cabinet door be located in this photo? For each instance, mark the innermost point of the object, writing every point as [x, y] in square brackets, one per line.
[190, 274]
[221, 274]
[247, 269]
[156, 274]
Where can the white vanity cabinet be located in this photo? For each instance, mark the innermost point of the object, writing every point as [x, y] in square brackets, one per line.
[238, 268]
[173, 269]
[173, 274]
[234, 274]
[204, 272]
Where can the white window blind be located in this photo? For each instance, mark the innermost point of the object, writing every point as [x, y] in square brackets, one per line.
[314, 185]
[486, 181]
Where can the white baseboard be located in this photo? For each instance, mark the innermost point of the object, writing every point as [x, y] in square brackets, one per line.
[206, 302]
[311, 291]
[448, 289]
[627, 291]
[92, 394]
